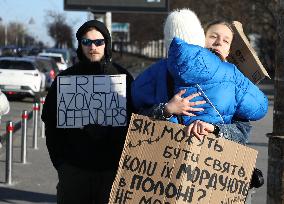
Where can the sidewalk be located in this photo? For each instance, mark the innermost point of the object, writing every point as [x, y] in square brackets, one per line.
[35, 182]
[259, 141]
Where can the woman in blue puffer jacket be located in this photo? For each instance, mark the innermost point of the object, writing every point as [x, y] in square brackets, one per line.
[227, 91]
[152, 90]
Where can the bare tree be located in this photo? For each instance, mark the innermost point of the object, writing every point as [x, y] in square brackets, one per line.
[15, 33]
[275, 181]
[257, 17]
[59, 30]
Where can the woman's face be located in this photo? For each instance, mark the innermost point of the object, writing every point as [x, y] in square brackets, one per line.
[219, 38]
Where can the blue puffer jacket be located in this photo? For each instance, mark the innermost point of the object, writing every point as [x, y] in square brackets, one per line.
[150, 87]
[227, 91]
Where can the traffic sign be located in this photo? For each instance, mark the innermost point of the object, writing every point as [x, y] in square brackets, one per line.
[120, 27]
[156, 6]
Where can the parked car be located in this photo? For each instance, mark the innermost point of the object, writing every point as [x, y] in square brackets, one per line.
[10, 50]
[67, 54]
[48, 66]
[21, 76]
[62, 65]
[26, 51]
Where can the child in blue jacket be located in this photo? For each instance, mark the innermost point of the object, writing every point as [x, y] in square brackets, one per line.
[190, 65]
[227, 91]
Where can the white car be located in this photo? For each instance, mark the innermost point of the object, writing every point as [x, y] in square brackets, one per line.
[62, 65]
[20, 76]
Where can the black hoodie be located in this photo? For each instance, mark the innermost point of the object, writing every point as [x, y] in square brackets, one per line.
[93, 147]
[103, 30]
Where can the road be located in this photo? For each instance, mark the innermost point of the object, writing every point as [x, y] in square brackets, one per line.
[16, 109]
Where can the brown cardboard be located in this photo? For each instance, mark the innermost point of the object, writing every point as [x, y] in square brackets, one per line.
[161, 164]
[244, 56]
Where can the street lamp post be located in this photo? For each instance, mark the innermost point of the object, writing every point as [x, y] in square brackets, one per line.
[5, 32]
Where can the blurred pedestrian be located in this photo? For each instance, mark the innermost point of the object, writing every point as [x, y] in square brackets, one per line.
[4, 108]
[4, 105]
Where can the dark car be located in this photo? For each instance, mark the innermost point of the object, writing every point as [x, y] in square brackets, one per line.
[67, 54]
[48, 66]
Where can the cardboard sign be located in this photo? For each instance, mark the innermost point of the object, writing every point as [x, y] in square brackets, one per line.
[91, 99]
[244, 57]
[160, 163]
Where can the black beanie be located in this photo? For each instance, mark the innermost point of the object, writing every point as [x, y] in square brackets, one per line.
[102, 29]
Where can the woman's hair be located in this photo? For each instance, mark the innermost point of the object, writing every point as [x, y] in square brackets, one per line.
[217, 22]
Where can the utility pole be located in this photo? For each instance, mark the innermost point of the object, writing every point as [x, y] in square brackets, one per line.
[5, 31]
[108, 21]
[6, 34]
[275, 178]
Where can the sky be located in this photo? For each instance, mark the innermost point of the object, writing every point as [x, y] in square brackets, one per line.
[24, 10]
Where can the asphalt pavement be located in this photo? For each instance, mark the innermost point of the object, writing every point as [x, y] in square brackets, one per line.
[35, 181]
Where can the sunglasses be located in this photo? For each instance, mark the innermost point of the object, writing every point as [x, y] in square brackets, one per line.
[89, 42]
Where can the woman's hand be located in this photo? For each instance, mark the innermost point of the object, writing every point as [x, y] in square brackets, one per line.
[182, 106]
[199, 129]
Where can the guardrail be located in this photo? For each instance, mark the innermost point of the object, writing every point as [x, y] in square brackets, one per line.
[152, 49]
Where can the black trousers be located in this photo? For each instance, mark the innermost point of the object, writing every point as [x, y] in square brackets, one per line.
[78, 186]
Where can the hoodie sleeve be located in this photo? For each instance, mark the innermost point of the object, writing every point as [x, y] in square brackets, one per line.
[54, 136]
[191, 64]
[237, 131]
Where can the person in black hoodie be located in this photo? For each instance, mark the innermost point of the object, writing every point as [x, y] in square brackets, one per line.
[86, 158]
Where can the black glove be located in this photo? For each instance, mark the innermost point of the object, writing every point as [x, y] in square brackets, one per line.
[257, 179]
